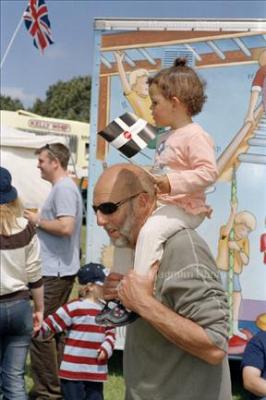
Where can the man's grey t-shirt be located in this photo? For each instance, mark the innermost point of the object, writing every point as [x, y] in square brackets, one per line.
[188, 283]
[60, 254]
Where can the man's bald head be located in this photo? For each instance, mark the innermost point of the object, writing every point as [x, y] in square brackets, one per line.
[123, 180]
[133, 188]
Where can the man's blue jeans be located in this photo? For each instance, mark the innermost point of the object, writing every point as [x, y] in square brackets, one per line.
[15, 337]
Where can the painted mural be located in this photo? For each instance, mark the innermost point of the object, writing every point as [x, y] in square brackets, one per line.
[233, 64]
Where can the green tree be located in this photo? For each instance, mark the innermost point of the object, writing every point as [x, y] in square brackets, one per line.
[67, 100]
[9, 104]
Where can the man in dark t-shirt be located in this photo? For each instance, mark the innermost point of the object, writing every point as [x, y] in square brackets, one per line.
[254, 367]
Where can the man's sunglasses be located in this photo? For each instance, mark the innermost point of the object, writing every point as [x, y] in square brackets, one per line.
[109, 207]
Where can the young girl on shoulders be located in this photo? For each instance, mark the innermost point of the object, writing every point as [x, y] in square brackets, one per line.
[185, 162]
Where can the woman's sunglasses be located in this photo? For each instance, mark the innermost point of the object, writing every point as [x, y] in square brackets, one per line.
[109, 207]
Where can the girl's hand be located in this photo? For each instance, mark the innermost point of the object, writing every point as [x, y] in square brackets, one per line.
[162, 184]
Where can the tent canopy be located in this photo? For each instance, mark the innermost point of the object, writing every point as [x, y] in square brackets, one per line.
[18, 156]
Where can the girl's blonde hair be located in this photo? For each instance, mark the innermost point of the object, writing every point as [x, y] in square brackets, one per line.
[9, 213]
[182, 82]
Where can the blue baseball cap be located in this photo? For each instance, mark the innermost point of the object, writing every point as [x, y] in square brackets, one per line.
[92, 272]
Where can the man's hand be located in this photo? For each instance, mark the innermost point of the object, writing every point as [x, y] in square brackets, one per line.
[33, 217]
[134, 289]
[110, 286]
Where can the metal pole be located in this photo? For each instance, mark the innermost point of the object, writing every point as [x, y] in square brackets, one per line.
[11, 42]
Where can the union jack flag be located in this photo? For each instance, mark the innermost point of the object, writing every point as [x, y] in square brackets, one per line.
[38, 24]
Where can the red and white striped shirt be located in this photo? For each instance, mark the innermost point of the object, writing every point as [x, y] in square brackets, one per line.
[84, 340]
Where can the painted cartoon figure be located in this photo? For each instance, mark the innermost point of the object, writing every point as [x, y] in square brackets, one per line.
[136, 89]
[242, 223]
[258, 87]
[263, 245]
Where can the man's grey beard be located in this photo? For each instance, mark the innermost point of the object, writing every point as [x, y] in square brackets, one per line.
[126, 231]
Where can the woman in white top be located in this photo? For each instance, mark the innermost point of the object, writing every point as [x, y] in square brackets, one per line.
[20, 277]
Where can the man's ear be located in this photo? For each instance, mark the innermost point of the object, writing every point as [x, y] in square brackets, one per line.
[144, 200]
[56, 163]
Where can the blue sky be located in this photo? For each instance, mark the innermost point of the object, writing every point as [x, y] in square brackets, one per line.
[26, 74]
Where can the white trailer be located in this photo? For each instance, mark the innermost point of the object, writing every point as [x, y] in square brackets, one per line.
[74, 133]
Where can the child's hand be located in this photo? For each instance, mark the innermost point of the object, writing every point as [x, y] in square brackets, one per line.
[40, 334]
[36, 334]
[162, 184]
[101, 355]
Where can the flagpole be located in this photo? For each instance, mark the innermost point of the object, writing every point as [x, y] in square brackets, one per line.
[11, 42]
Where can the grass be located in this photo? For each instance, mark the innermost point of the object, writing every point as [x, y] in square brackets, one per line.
[114, 388]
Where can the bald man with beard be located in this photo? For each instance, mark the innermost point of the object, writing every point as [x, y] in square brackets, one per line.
[177, 348]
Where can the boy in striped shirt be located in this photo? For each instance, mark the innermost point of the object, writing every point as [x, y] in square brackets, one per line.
[88, 346]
